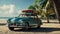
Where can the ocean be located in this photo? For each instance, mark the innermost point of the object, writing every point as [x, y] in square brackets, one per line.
[5, 18]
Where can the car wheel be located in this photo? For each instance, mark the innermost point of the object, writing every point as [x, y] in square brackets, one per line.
[38, 26]
[26, 26]
[11, 28]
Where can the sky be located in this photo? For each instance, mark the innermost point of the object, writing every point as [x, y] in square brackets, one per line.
[12, 8]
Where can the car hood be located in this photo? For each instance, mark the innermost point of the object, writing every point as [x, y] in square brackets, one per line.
[16, 19]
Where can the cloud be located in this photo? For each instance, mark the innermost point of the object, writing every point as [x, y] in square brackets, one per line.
[4, 7]
[7, 10]
[11, 9]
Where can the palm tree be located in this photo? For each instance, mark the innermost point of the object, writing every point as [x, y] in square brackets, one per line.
[31, 7]
[57, 8]
[46, 4]
[34, 9]
[43, 4]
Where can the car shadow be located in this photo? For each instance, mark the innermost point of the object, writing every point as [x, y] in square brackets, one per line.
[39, 30]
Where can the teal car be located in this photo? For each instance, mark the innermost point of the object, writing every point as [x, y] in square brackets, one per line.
[24, 21]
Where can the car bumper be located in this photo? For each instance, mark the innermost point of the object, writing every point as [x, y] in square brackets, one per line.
[17, 26]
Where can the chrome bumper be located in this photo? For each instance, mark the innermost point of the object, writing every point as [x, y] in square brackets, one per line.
[16, 25]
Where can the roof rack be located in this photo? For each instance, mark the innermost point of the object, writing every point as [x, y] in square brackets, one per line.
[28, 11]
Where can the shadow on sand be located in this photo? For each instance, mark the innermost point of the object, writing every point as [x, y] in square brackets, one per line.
[39, 30]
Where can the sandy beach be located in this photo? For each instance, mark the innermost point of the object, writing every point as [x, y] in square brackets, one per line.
[46, 28]
[3, 21]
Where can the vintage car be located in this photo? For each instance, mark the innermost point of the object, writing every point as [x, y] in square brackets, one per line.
[24, 21]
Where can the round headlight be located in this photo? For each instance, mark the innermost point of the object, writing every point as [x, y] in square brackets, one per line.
[13, 20]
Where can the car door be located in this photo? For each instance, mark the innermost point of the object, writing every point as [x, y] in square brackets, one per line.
[35, 19]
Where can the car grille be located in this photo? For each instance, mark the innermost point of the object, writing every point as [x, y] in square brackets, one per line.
[14, 24]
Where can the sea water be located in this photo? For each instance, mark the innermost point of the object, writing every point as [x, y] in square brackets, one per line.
[4, 19]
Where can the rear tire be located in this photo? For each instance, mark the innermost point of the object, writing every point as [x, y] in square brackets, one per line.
[38, 26]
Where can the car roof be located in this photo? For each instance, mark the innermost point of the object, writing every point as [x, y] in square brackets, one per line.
[29, 14]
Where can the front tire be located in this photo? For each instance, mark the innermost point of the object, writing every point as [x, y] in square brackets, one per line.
[11, 28]
[26, 27]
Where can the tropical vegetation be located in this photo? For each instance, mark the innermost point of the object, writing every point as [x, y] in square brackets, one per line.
[46, 8]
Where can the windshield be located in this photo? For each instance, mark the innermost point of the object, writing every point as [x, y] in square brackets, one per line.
[22, 15]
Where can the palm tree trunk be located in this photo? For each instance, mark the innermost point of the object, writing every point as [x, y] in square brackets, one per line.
[56, 8]
[47, 8]
[47, 17]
